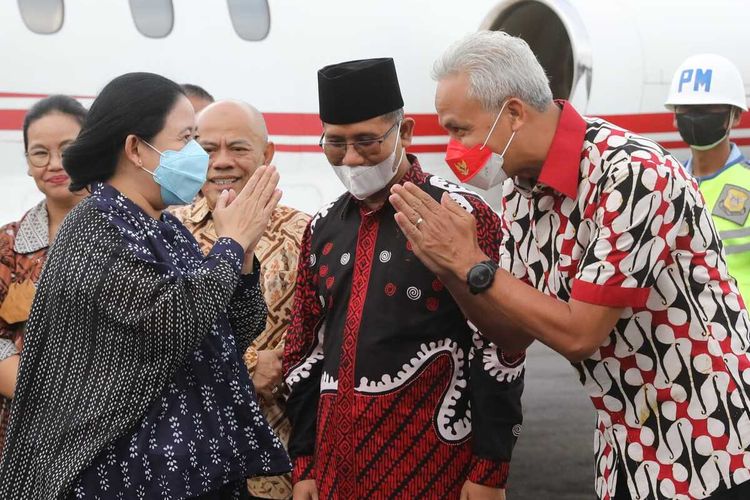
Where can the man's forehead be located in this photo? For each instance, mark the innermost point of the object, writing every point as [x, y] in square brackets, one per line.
[452, 85]
[457, 113]
[228, 116]
[372, 126]
[223, 114]
[227, 137]
[452, 97]
[224, 130]
[216, 127]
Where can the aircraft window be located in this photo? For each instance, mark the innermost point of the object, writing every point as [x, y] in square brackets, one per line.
[251, 19]
[153, 18]
[42, 16]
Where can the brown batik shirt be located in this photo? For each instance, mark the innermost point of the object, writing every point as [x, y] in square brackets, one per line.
[23, 251]
[278, 253]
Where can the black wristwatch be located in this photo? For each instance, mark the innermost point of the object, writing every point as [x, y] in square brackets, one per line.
[481, 276]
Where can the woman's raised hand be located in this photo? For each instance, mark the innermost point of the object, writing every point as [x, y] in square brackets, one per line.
[244, 216]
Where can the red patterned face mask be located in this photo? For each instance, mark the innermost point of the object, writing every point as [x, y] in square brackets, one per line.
[478, 166]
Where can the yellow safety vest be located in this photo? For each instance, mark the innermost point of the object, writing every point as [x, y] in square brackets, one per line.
[727, 195]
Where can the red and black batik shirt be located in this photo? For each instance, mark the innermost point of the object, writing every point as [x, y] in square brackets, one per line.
[392, 391]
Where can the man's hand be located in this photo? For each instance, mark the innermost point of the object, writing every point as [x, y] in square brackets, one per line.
[267, 375]
[9, 375]
[474, 491]
[512, 314]
[305, 490]
[443, 235]
[19, 341]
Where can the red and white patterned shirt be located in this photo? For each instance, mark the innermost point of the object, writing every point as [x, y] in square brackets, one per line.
[615, 220]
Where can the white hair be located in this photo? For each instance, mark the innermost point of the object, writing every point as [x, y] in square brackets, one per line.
[394, 116]
[499, 66]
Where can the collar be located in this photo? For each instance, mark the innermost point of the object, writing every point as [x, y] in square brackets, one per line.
[561, 168]
[109, 200]
[735, 157]
[415, 175]
[33, 230]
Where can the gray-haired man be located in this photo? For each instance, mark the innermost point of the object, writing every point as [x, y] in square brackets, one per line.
[609, 257]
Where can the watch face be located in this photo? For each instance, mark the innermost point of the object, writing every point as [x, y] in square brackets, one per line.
[480, 276]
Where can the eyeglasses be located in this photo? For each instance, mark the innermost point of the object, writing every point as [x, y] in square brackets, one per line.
[41, 158]
[367, 148]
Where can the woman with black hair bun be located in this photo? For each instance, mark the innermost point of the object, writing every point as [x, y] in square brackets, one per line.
[48, 129]
[132, 383]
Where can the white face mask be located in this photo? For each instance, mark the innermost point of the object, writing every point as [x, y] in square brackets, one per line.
[492, 174]
[364, 181]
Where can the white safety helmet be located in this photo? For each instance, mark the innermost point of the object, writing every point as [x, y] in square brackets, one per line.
[707, 79]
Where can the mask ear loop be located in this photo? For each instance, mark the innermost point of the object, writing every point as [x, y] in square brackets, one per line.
[492, 129]
[400, 158]
[729, 123]
[732, 112]
[149, 145]
[398, 136]
[508, 144]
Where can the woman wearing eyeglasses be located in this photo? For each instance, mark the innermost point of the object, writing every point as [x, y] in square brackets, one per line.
[49, 126]
[132, 383]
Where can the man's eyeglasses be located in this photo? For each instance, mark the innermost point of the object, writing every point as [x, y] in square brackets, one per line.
[41, 158]
[367, 148]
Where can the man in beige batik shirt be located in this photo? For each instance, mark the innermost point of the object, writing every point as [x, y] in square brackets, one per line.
[235, 137]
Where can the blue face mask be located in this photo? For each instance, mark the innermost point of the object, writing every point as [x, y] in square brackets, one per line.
[180, 174]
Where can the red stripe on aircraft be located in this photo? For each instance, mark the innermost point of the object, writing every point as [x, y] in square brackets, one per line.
[655, 123]
[297, 148]
[20, 94]
[668, 145]
[12, 119]
[647, 123]
[308, 124]
[310, 148]
[39, 96]
[305, 124]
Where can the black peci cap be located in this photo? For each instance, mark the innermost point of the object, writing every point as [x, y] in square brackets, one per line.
[356, 91]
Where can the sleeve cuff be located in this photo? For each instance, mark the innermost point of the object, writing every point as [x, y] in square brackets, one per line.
[7, 349]
[612, 296]
[251, 279]
[487, 472]
[512, 360]
[303, 468]
[230, 251]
